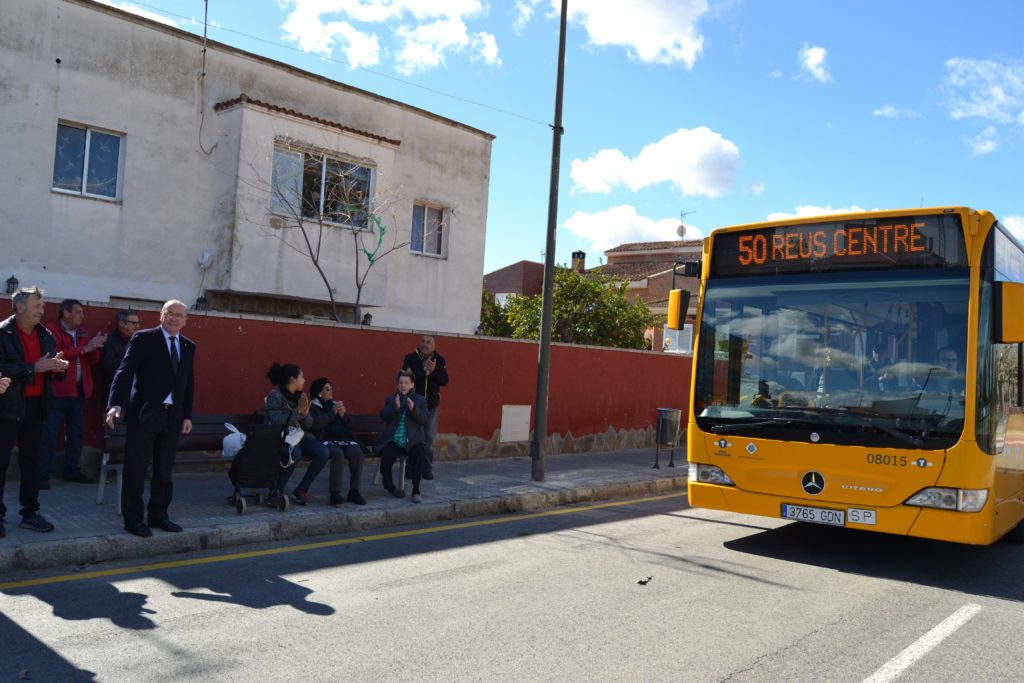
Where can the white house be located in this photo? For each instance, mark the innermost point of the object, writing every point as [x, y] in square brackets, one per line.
[141, 163]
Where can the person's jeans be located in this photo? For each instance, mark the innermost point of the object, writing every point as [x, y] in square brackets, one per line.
[311, 448]
[339, 456]
[430, 433]
[67, 411]
[416, 456]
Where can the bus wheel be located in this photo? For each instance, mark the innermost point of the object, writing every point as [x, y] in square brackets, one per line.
[1016, 534]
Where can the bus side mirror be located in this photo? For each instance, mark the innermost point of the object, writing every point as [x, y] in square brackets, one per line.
[1009, 312]
[678, 304]
[691, 269]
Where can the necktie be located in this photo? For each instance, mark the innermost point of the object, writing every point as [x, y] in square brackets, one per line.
[174, 355]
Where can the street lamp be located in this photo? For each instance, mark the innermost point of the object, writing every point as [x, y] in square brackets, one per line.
[12, 285]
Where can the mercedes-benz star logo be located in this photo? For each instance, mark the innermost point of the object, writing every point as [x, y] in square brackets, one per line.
[813, 483]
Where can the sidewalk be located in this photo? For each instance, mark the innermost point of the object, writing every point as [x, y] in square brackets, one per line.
[87, 533]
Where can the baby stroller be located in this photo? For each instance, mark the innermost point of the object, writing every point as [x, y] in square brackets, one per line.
[257, 466]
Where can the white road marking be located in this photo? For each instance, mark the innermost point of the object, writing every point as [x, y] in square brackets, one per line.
[895, 667]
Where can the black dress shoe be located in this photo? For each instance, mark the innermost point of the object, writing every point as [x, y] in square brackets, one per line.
[80, 479]
[166, 525]
[138, 529]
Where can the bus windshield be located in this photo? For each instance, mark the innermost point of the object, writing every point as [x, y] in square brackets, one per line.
[871, 358]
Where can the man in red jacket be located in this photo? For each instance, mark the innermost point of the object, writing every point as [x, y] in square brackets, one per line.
[82, 351]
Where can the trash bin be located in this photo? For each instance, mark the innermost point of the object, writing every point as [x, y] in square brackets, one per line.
[666, 434]
[668, 426]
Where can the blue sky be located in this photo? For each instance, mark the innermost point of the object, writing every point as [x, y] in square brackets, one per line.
[732, 111]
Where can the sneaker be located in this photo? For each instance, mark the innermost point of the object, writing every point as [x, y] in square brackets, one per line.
[273, 500]
[35, 522]
[356, 497]
[396, 492]
[300, 497]
[337, 498]
[416, 498]
[80, 479]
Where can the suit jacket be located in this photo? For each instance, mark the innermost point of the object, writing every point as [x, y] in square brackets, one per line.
[414, 421]
[144, 377]
[428, 386]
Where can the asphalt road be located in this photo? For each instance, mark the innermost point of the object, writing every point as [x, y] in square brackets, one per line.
[539, 597]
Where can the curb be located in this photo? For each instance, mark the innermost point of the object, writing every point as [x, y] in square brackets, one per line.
[123, 546]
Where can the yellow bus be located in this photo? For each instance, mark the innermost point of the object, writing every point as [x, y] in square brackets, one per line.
[863, 370]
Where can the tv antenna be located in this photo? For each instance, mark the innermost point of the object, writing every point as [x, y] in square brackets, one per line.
[681, 230]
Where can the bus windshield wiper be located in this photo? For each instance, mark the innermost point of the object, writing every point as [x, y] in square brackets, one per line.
[744, 426]
[875, 421]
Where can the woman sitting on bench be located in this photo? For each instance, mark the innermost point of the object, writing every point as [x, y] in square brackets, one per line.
[331, 426]
[287, 405]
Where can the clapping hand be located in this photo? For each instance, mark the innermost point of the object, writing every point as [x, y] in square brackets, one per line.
[4, 383]
[430, 365]
[409, 405]
[339, 408]
[96, 342]
[303, 405]
[50, 364]
[398, 400]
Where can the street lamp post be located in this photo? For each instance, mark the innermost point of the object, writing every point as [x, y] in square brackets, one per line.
[540, 424]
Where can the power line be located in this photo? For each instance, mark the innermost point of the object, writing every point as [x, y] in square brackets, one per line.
[342, 62]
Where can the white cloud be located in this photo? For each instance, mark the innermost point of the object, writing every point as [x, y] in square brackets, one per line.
[135, 9]
[811, 210]
[812, 60]
[888, 111]
[523, 13]
[979, 88]
[622, 224]
[757, 188]
[697, 161]
[1015, 224]
[984, 142]
[653, 31]
[427, 31]
[775, 75]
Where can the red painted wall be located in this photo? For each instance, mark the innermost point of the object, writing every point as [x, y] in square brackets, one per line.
[590, 388]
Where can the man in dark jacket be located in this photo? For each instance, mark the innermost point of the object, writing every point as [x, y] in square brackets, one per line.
[153, 391]
[431, 374]
[116, 344]
[405, 413]
[28, 355]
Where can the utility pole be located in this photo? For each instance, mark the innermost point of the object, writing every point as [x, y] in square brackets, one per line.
[540, 422]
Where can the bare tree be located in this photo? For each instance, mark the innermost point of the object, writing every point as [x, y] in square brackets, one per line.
[313, 193]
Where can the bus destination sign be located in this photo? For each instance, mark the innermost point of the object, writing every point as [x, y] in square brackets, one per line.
[906, 242]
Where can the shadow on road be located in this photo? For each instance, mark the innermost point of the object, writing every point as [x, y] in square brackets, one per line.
[979, 570]
[270, 591]
[26, 658]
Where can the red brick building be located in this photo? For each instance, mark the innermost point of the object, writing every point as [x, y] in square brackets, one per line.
[525, 278]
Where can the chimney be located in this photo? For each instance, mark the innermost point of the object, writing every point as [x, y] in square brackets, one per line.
[579, 261]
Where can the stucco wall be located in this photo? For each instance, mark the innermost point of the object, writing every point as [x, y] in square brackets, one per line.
[121, 73]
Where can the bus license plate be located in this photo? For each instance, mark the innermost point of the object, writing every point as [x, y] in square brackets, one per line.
[802, 513]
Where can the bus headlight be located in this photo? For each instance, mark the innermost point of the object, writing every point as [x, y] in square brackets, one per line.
[709, 474]
[963, 500]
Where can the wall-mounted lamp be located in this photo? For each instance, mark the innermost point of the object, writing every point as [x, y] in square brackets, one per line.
[12, 285]
[367, 319]
[201, 304]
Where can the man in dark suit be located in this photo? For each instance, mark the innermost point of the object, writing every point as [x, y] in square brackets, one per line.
[156, 382]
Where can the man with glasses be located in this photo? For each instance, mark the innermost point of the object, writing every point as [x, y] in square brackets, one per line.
[113, 349]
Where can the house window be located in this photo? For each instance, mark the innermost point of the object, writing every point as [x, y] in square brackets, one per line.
[429, 231]
[314, 186]
[87, 161]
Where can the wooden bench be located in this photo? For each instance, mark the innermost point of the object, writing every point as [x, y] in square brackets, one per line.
[202, 445]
